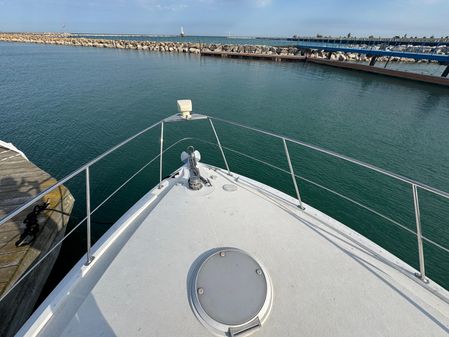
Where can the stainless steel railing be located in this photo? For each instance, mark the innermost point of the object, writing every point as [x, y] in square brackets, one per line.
[86, 170]
[415, 186]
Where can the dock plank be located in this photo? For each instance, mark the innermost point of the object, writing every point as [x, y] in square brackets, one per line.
[10, 245]
[5, 275]
[11, 259]
[7, 236]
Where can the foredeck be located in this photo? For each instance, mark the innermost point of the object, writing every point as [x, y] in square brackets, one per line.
[327, 279]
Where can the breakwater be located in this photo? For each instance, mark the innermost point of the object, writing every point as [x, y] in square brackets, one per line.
[160, 46]
[198, 48]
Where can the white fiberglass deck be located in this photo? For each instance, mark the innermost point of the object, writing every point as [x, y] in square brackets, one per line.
[327, 280]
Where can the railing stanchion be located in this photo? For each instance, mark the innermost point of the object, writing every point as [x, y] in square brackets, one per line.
[422, 270]
[160, 155]
[88, 227]
[219, 145]
[292, 174]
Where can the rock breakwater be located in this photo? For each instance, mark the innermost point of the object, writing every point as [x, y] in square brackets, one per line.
[198, 48]
[174, 47]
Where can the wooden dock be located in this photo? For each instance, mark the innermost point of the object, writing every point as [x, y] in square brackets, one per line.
[272, 57]
[20, 180]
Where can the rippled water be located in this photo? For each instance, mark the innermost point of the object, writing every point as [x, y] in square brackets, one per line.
[65, 105]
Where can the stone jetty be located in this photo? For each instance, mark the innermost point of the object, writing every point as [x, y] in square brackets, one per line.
[198, 48]
[172, 47]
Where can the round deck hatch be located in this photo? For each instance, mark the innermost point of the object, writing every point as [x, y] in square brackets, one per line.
[230, 291]
[229, 187]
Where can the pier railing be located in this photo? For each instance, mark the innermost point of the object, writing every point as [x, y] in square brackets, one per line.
[415, 186]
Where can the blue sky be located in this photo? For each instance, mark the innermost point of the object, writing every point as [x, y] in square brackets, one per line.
[239, 17]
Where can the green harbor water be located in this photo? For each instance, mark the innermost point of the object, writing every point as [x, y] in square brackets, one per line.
[63, 106]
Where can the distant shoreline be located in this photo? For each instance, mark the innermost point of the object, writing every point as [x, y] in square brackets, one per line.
[432, 40]
[182, 46]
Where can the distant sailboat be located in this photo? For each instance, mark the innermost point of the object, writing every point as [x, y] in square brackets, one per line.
[182, 32]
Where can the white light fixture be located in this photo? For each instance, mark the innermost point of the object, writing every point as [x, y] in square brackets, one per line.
[185, 108]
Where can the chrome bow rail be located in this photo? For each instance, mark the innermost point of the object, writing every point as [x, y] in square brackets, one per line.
[414, 185]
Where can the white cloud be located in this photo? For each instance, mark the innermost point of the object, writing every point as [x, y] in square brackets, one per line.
[428, 2]
[162, 5]
[262, 3]
[175, 5]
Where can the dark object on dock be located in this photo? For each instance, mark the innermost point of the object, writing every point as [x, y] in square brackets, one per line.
[32, 225]
[20, 180]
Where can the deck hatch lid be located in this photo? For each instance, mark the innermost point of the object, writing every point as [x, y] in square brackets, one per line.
[230, 289]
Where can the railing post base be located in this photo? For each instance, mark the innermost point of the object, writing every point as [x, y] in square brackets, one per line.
[89, 260]
[425, 279]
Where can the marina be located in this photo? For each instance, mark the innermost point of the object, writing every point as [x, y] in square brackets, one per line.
[198, 168]
[319, 54]
[441, 58]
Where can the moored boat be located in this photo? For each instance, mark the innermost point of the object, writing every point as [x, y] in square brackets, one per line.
[210, 251]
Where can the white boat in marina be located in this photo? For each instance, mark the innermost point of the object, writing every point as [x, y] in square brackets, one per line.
[210, 252]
